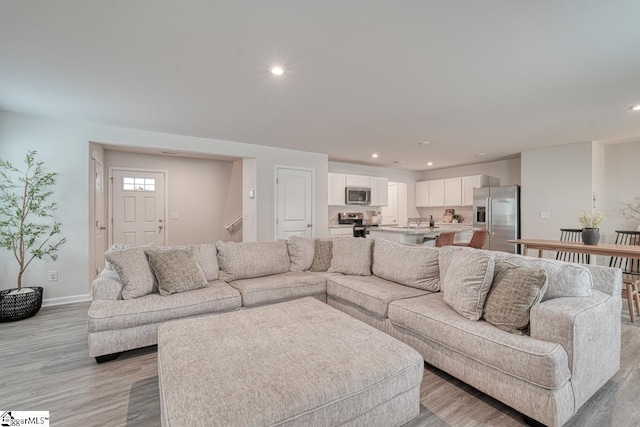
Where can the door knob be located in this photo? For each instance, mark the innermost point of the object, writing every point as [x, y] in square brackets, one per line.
[309, 225]
[102, 227]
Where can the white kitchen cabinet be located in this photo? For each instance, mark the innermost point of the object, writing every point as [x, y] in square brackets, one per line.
[436, 192]
[453, 192]
[379, 191]
[422, 194]
[358, 181]
[337, 184]
[476, 181]
[341, 231]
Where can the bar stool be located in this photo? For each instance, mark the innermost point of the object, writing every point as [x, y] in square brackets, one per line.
[445, 239]
[572, 235]
[630, 271]
[477, 241]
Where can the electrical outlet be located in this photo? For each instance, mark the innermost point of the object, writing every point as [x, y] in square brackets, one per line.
[544, 214]
[53, 275]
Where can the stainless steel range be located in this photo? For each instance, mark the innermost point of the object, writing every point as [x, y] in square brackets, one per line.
[357, 220]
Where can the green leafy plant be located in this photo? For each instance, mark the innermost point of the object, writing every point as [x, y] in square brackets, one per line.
[590, 221]
[24, 210]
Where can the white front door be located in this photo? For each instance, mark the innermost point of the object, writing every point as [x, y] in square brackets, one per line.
[138, 207]
[99, 230]
[294, 203]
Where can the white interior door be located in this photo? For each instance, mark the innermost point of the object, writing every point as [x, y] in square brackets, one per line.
[390, 212]
[99, 241]
[294, 203]
[138, 207]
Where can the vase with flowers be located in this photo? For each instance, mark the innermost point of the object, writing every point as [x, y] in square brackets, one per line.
[631, 211]
[590, 224]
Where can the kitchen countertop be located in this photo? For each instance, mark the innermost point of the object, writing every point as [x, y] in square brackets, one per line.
[424, 230]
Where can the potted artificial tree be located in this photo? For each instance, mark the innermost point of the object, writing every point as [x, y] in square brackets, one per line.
[26, 230]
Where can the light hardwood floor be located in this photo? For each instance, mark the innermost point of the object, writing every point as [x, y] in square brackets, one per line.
[45, 365]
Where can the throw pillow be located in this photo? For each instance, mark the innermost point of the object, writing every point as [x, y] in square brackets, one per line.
[301, 252]
[413, 266]
[514, 291]
[252, 259]
[134, 272]
[177, 270]
[351, 255]
[467, 282]
[322, 255]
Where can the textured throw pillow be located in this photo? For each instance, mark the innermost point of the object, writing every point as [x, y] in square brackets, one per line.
[413, 266]
[514, 291]
[134, 272]
[301, 252]
[252, 259]
[177, 270]
[351, 255]
[322, 255]
[207, 257]
[467, 282]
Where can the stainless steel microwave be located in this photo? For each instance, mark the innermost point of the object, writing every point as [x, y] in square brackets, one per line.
[357, 196]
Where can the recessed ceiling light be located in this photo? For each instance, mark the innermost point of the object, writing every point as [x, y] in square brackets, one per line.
[430, 164]
[423, 143]
[374, 155]
[277, 70]
[635, 108]
[481, 154]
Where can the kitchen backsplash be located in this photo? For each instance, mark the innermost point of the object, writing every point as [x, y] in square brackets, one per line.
[465, 211]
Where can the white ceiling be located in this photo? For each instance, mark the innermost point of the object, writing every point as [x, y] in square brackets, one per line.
[362, 76]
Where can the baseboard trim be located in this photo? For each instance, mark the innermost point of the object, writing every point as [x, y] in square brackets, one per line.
[65, 300]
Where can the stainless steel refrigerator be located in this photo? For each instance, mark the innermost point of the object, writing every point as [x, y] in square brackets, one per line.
[497, 209]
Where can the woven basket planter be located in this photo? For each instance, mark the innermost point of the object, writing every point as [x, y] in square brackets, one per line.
[19, 306]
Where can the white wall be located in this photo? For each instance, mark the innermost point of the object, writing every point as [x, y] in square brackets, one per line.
[557, 180]
[395, 175]
[198, 192]
[622, 176]
[233, 204]
[65, 146]
[507, 170]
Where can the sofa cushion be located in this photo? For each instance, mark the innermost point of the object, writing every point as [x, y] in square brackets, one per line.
[279, 287]
[322, 255]
[467, 282]
[351, 255]
[301, 252]
[513, 292]
[252, 259]
[176, 270]
[564, 279]
[370, 293]
[541, 363]
[105, 315]
[134, 271]
[207, 257]
[413, 266]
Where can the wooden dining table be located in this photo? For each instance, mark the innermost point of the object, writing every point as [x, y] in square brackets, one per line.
[605, 249]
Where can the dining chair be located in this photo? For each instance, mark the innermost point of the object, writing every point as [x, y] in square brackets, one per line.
[445, 239]
[477, 241]
[630, 271]
[572, 235]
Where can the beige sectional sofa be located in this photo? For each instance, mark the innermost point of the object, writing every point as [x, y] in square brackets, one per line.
[435, 300]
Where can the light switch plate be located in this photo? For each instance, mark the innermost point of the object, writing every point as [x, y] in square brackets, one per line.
[544, 214]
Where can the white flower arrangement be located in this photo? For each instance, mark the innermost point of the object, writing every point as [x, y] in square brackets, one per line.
[631, 211]
[589, 220]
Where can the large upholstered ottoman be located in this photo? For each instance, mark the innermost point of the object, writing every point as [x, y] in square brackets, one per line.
[297, 363]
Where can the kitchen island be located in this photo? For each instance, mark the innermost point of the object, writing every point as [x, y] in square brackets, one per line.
[416, 235]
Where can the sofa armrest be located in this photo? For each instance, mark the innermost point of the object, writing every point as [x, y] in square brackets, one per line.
[589, 330]
[106, 286]
[606, 279]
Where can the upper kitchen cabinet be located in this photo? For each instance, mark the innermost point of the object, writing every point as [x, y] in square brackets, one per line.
[422, 194]
[453, 192]
[476, 181]
[337, 184]
[358, 181]
[379, 191]
[436, 192]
